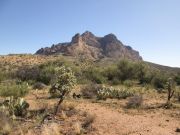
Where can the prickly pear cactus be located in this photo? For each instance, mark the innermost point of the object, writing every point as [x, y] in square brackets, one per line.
[16, 107]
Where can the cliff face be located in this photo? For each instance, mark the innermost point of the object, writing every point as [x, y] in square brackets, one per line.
[92, 47]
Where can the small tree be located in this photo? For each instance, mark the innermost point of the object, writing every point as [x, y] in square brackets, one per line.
[63, 85]
[171, 88]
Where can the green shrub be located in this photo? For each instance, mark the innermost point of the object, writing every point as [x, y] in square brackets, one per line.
[125, 70]
[177, 93]
[95, 75]
[115, 81]
[177, 79]
[111, 73]
[12, 88]
[47, 74]
[128, 83]
[4, 75]
[159, 81]
[143, 73]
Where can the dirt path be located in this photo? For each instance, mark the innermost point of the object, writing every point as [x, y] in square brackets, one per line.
[111, 122]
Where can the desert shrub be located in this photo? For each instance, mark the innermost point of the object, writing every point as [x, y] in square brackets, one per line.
[177, 93]
[177, 79]
[65, 81]
[111, 72]
[115, 81]
[143, 73]
[12, 88]
[95, 75]
[125, 70]
[110, 92]
[1, 76]
[135, 102]
[128, 83]
[159, 80]
[47, 74]
[44, 74]
[26, 73]
[90, 90]
[39, 86]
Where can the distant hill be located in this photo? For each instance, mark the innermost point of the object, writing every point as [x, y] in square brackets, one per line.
[92, 47]
[164, 68]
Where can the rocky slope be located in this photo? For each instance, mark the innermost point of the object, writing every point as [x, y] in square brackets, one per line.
[92, 47]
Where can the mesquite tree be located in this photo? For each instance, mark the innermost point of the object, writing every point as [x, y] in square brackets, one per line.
[63, 85]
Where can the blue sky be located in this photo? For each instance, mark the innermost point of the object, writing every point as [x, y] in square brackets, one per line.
[150, 26]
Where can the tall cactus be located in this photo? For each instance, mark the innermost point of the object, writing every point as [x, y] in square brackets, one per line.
[171, 89]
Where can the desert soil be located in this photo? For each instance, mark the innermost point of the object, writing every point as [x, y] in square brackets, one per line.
[109, 121]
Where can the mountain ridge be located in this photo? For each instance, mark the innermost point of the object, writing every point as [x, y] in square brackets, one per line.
[93, 47]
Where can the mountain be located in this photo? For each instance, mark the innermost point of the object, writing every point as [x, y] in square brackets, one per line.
[93, 47]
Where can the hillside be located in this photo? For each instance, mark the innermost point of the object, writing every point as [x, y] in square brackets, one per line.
[92, 47]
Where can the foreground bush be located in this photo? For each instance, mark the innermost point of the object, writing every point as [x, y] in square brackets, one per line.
[12, 88]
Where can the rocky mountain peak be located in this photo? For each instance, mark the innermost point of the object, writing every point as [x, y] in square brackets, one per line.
[110, 38]
[77, 38]
[93, 47]
[88, 34]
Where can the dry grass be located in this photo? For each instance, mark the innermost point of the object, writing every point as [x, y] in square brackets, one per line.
[51, 129]
[88, 120]
[77, 128]
[5, 124]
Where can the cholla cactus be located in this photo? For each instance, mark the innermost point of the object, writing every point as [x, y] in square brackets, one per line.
[64, 83]
[171, 89]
